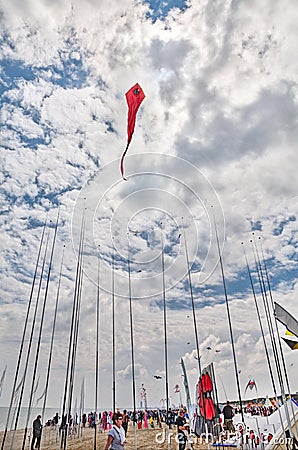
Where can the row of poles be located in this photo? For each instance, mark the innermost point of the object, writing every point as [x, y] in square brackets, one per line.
[19, 380]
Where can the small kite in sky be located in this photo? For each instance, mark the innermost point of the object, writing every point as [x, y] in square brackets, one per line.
[158, 377]
[251, 384]
[134, 98]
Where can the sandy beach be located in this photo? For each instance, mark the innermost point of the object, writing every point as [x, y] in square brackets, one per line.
[146, 439]
[153, 438]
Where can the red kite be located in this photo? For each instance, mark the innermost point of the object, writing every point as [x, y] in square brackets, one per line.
[134, 98]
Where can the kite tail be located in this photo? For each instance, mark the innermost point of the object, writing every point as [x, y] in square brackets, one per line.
[122, 160]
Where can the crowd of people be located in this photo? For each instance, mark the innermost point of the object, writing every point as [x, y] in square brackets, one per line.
[116, 424]
[260, 410]
[117, 434]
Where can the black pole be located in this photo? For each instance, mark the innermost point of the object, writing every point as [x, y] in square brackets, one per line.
[30, 344]
[63, 430]
[165, 333]
[76, 329]
[267, 313]
[113, 334]
[96, 350]
[194, 317]
[23, 337]
[52, 338]
[214, 382]
[192, 305]
[40, 332]
[229, 318]
[277, 332]
[262, 332]
[132, 351]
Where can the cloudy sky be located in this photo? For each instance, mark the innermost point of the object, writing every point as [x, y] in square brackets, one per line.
[215, 142]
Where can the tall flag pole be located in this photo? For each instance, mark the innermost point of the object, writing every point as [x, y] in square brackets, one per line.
[192, 305]
[132, 354]
[194, 320]
[33, 324]
[229, 317]
[186, 386]
[270, 328]
[23, 336]
[37, 353]
[134, 98]
[262, 332]
[275, 320]
[277, 332]
[268, 314]
[212, 372]
[165, 338]
[52, 338]
[78, 293]
[97, 351]
[113, 333]
[63, 428]
[82, 404]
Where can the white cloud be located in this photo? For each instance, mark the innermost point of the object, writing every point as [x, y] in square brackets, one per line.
[220, 84]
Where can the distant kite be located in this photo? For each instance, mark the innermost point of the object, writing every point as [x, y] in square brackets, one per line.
[134, 98]
[251, 384]
[158, 377]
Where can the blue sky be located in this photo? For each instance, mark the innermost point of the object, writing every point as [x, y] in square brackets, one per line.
[161, 9]
[218, 127]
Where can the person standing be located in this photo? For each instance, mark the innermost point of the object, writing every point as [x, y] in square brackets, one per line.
[37, 428]
[228, 413]
[116, 437]
[125, 420]
[181, 427]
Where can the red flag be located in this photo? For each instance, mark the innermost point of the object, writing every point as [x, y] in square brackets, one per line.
[134, 98]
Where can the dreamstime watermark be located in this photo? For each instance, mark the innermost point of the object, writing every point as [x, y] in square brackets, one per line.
[288, 441]
[165, 204]
[239, 436]
[204, 438]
